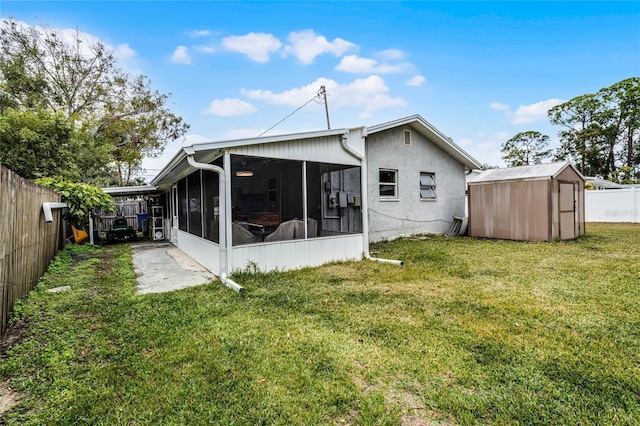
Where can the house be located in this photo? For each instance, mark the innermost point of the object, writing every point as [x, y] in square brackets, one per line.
[597, 183]
[305, 199]
[539, 202]
[416, 178]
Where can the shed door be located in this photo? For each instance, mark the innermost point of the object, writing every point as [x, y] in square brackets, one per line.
[568, 211]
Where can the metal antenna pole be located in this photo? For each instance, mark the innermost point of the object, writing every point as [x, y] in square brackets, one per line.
[323, 92]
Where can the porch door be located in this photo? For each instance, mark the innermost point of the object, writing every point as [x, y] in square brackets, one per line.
[568, 210]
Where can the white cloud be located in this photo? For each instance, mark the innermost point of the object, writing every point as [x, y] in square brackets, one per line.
[391, 55]
[416, 80]
[257, 46]
[370, 93]
[463, 142]
[534, 112]
[125, 52]
[200, 33]
[181, 55]
[204, 49]
[229, 107]
[356, 64]
[306, 45]
[498, 106]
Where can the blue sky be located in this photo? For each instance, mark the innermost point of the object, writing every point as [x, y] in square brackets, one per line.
[479, 71]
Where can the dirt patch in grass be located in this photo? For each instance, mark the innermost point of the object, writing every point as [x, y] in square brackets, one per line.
[8, 398]
[13, 334]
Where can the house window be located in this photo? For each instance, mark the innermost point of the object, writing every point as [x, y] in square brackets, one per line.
[407, 137]
[427, 186]
[388, 183]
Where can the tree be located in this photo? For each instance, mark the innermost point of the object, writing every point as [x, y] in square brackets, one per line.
[119, 116]
[624, 98]
[37, 143]
[526, 148]
[601, 131]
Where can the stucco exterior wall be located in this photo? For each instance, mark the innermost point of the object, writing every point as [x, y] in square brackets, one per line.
[408, 214]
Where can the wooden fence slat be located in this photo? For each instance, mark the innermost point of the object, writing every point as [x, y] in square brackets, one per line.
[27, 243]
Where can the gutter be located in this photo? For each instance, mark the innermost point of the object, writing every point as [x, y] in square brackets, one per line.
[365, 204]
[225, 253]
[48, 206]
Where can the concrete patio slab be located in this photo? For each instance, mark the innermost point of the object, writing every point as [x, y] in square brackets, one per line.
[161, 267]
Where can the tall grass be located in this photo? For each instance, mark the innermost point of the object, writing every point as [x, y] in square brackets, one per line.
[467, 332]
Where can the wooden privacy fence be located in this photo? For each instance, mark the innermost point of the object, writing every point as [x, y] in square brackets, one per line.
[129, 209]
[27, 243]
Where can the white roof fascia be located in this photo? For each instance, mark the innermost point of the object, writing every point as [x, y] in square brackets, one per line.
[177, 159]
[232, 143]
[439, 138]
[121, 191]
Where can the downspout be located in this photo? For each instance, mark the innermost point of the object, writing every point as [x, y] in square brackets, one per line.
[48, 206]
[365, 211]
[225, 255]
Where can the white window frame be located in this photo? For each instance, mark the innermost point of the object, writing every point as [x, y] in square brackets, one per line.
[392, 184]
[428, 186]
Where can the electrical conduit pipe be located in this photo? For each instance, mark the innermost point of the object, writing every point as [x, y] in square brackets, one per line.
[225, 254]
[365, 211]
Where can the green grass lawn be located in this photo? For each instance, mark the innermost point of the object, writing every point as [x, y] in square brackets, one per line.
[467, 332]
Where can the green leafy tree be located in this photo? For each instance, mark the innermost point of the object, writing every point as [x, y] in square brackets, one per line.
[601, 131]
[624, 100]
[37, 143]
[526, 148]
[119, 117]
[81, 199]
[577, 117]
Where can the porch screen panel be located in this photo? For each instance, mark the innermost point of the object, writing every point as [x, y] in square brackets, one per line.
[267, 199]
[195, 204]
[334, 199]
[211, 205]
[182, 204]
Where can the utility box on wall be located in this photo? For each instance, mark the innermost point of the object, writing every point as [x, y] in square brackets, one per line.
[528, 203]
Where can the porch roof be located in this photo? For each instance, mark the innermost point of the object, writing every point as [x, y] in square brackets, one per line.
[205, 152]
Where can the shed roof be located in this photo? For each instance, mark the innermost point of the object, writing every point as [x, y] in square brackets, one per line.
[536, 171]
[426, 129]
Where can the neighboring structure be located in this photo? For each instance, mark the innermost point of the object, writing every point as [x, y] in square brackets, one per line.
[531, 203]
[597, 183]
[289, 201]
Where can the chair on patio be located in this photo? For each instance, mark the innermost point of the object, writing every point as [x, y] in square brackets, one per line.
[285, 231]
[241, 235]
[312, 228]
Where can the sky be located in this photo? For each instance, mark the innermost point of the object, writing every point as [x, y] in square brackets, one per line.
[480, 72]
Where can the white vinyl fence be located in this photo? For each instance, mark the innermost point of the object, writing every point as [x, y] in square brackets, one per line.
[612, 205]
